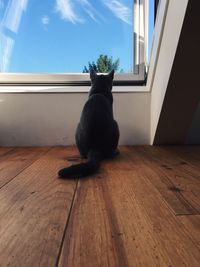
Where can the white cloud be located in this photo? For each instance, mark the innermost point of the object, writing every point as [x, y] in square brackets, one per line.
[13, 14]
[7, 44]
[120, 10]
[90, 10]
[1, 4]
[66, 10]
[11, 21]
[45, 20]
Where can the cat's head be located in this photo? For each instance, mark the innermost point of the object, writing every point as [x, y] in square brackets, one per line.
[102, 84]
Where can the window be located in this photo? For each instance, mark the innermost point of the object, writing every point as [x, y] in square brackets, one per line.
[55, 41]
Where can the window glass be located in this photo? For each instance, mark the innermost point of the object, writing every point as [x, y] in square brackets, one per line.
[67, 36]
[151, 26]
[62, 36]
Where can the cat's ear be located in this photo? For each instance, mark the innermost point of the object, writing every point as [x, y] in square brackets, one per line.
[111, 74]
[93, 74]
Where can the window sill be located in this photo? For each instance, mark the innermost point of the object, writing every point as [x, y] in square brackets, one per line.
[68, 89]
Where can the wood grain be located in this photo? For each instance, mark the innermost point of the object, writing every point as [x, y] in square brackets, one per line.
[189, 155]
[120, 219]
[16, 160]
[33, 213]
[151, 234]
[142, 248]
[93, 233]
[122, 161]
[4, 151]
[123, 216]
[159, 179]
[90, 239]
[185, 179]
[192, 227]
[144, 233]
[167, 178]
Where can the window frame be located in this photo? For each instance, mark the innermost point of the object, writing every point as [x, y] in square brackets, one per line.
[140, 55]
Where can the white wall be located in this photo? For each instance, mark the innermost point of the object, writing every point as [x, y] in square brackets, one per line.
[28, 119]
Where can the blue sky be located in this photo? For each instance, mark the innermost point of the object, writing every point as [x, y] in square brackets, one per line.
[63, 35]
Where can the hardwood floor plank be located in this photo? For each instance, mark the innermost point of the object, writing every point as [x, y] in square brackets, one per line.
[93, 234]
[109, 222]
[192, 227]
[121, 162]
[185, 179]
[150, 232]
[4, 151]
[123, 216]
[140, 244]
[188, 154]
[155, 174]
[33, 213]
[16, 160]
[89, 239]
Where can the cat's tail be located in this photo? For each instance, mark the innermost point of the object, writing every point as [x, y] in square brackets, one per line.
[82, 169]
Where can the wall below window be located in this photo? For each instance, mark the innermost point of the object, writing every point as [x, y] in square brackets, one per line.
[50, 119]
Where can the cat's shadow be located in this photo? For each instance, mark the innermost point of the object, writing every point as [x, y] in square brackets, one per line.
[78, 158]
[74, 158]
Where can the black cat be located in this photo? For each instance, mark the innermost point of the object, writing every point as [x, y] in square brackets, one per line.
[97, 133]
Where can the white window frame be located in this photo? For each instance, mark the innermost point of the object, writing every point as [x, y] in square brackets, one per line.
[138, 77]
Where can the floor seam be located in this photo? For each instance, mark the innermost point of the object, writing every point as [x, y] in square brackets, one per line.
[24, 169]
[66, 225]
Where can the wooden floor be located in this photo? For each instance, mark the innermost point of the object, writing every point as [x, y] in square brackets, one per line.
[141, 209]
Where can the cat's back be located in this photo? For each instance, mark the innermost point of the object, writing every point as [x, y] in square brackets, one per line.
[97, 128]
[98, 106]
